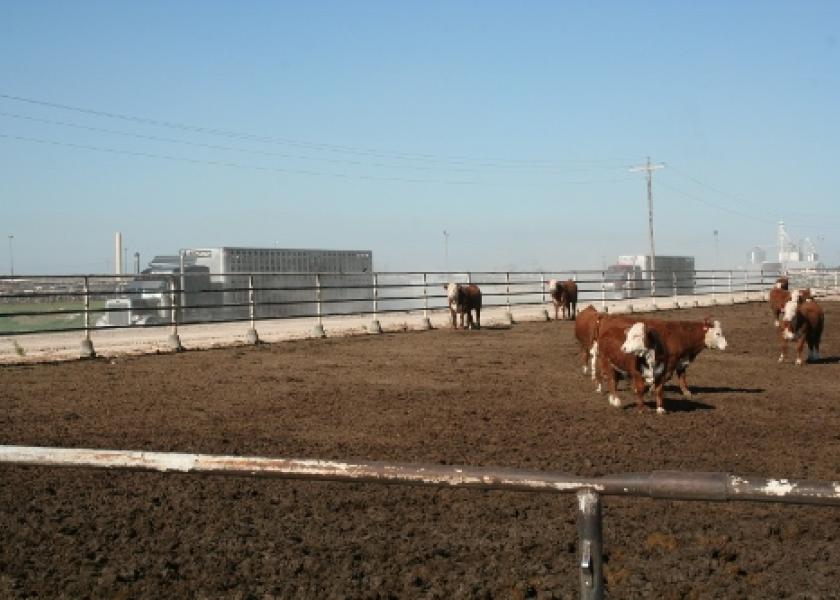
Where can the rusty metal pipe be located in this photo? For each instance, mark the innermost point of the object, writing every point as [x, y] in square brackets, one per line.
[658, 484]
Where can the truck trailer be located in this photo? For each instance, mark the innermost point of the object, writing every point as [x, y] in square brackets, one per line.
[214, 284]
[632, 277]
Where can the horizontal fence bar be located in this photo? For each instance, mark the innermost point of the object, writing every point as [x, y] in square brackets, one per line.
[224, 300]
[671, 485]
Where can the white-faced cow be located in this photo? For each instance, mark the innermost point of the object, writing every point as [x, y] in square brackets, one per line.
[643, 368]
[803, 320]
[682, 341]
[564, 296]
[463, 298]
[780, 294]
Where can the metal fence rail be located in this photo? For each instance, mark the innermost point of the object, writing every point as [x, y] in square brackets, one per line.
[671, 485]
[88, 303]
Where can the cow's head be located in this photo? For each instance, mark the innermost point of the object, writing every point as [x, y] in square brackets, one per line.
[713, 337]
[552, 285]
[634, 340]
[451, 293]
[638, 341]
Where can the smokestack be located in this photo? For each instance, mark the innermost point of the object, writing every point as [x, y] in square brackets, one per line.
[118, 255]
[136, 263]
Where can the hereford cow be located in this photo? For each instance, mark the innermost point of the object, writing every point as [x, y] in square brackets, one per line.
[782, 283]
[683, 341]
[643, 368]
[803, 320]
[564, 296]
[586, 332]
[777, 298]
[463, 299]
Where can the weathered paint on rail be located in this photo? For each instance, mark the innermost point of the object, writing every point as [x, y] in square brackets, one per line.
[658, 484]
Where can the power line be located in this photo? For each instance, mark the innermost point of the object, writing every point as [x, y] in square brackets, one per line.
[236, 165]
[740, 200]
[499, 163]
[472, 169]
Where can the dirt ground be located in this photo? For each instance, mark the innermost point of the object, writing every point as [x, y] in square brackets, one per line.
[512, 397]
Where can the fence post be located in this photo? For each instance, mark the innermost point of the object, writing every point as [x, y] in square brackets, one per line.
[375, 326]
[426, 324]
[174, 341]
[87, 350]
[746, 287]
[714, 287]
[507, 295]
[674, 281]
[542, 297]
[318, 330]
[251, 336]
[591, 546]
[731, 297]
[542, 288]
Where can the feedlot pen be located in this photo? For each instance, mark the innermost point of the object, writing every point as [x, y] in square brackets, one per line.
[507, 397]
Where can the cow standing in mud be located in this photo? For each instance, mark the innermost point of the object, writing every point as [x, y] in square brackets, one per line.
[586, 332]
[803, 320]
[636, 353]
[463, 298]
[777, 298]
[677, 343]
[564, 296]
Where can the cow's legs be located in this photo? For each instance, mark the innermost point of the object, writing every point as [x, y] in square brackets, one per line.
[469, 319]
[799, 346]
[682, 380]
[639, 390]
[478, 318]
[610, 376]
[659, 392]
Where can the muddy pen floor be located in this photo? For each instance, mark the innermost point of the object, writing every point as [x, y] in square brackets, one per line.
[510, 397]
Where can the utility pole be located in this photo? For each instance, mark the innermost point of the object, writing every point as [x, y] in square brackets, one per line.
[649, 168]
[717, 254]
[446, 250]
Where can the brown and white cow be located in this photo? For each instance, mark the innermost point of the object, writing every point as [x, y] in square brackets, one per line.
[777, 298]
[564, 296]
[641, 368]
[463, 298]
[802, 320]
[683, 341]
[586, 332]
[780, 294]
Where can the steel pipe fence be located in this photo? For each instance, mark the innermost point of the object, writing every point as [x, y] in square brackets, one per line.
[671, 485]
[89, 303]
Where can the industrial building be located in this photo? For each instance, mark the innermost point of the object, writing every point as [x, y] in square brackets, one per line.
[215, 284]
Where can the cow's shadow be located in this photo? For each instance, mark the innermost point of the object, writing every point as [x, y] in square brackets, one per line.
[698, 389]
[675, 405]
[495, 327]
[826, 360]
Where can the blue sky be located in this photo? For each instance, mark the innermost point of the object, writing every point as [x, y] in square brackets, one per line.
[378, 125]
